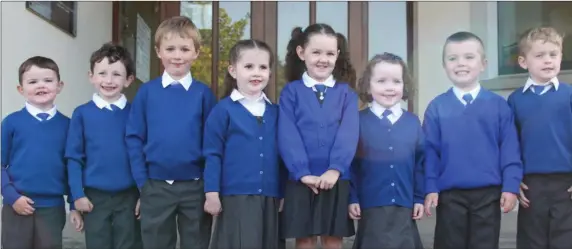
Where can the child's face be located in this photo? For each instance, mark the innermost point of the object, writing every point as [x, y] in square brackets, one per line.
[176, 54]
[320, 55]
[251, 71]
[40, 86]
[463, 62]
[386, 84]
[109, 79]
[542, 61]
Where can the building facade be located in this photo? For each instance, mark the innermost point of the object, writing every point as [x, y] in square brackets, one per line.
[414, 30]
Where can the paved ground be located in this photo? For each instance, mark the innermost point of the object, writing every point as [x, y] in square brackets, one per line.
[74, 240]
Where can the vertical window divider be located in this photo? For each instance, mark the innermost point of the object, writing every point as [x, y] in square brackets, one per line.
[215, 47]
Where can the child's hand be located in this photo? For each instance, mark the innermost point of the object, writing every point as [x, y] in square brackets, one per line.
[522, 198]
[418, 210]
[76, 220]
[355, 211]
[311, 182]
[83, 204]
[508, 201]
[329, 179]
[570, 191]
[137, 209]
[23, 206]
[281, 205]
[431, 201]
[212, 204]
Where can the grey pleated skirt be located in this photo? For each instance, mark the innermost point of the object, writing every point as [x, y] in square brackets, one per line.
[388, 227]
[306, 214]
[248, 221]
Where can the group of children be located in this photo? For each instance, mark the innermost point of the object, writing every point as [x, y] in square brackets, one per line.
[137, 175]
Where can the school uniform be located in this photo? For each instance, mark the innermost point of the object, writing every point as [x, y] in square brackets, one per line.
[33, 144]
[318, 130]
[472, 155]
[164, 141]
[387, 178]
[243, 166]
[98, 168]
[543, 118]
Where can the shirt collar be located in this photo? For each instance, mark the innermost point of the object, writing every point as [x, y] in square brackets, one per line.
[309, 82]
[459, 93]
[530, 82]
[101, 103]
[236, 96]
[378, 109]
[35, 110]
[186, 81]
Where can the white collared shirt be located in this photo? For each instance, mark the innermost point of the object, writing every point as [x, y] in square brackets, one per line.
[186, 81]
[459, 93]
[530, 82]
[254, 106]
[311, 83]
[378, 110]
[35, 111]
[101, 103]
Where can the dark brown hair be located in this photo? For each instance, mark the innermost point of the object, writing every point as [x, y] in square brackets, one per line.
[365, 81]
[113, 53]
[38, 61]
[461, 37]
[343, 72]
[234, 56]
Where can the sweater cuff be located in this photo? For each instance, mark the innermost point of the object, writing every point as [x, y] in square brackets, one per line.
[431, 186]
[511, 186]
[302, 173]
[337, 167]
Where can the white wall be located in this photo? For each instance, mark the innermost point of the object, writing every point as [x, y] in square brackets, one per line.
[26, 35]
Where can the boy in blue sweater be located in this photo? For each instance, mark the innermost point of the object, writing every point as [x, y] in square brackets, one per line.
[473, 162]
[543, 115]
[164, 140]
[34, 179]
[98, 164]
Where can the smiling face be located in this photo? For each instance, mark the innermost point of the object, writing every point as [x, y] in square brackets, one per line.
[177, 53]
[40, 86]
[319, 55]
[542, 60]
[464, 62]
[386, 84]
[109, 79]
[251, 71]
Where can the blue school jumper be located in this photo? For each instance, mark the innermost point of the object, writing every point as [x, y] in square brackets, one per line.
[241, 151]
[544, 123]
[164, 131]
[96, 151]
[388, 168]
[33, 161]
[314, 137]
[471, 146]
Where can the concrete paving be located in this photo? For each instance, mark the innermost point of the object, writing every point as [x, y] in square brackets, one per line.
[74, 240]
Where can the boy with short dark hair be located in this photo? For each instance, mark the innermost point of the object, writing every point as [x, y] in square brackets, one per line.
[543, 113]
[98, 164]
[472, 163]
[164, 138]
[34, 179]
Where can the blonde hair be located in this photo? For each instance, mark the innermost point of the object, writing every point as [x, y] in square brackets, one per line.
[180, 25]
[544, 34]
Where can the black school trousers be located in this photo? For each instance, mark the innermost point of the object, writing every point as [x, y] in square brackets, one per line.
[468, 219]
[547, 222]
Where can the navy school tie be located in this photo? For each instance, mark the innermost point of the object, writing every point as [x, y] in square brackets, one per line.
[114, 107]
[468, 98]
[385, 117]
[43, 116]
[538, 89]
[321, 91]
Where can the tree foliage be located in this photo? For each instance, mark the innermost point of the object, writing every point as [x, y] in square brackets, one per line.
[229, 33]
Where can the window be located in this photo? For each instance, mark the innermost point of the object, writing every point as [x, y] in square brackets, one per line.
[514, 18]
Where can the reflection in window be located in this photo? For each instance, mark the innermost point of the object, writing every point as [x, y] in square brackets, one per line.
[387, 38]
[514, 18]
[290, 15]
[234, 25]
[334, 14]
[201, 14]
